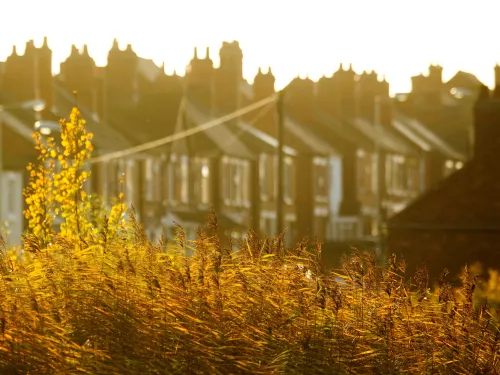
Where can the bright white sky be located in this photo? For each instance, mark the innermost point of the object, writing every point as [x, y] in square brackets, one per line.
[398, 38]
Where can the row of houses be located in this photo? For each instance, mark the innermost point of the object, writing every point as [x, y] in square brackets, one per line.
[457, 223]
[354, 156]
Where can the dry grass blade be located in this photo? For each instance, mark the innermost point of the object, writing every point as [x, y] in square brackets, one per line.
[109, 301]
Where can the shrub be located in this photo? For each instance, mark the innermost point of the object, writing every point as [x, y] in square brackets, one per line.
[99, 298]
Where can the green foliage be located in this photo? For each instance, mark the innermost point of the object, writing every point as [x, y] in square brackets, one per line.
[99, 298]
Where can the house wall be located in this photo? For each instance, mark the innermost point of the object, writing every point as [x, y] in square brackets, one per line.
[78, 72]
[335, 184]
[452, 249]
[312, 204]
[304, 197]
[402, 182]
[12, 205]
[235, 197]
[267, 188]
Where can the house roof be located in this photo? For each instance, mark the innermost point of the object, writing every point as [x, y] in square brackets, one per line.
[18, 144]
[245, 132]
[148, 69]
[219, 135]
[304, 139]
[386, 137]
[250, 134]
[246, 90]
[20, 121]
[200, 142]
[423, 137]
[18, 151]
[468, 199]
[307, 141]
[336, 131]
[466, 78]
[361, 132]
[106, 138]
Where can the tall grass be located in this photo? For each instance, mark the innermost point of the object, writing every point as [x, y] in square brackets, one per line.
[108, 301]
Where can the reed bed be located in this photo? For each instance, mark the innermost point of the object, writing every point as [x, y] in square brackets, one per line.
[98, 297]
[134, 306]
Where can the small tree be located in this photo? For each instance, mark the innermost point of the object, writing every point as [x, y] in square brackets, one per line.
[56, 187]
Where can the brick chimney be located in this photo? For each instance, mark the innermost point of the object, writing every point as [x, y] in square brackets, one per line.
[44, 75]
[78, 73]
[121, 77]
[497, 81]
[29, 76]
[263, 87]
[200, 79]
[436, 76]
[328, 96]
[300, 100]
[367, 88]
[228, 78]
[486, 120]
[386, 104]
[427, 90]
[347, 91]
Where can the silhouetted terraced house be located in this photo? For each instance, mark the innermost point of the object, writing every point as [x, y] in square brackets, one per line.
[446, 110]
[221, 166]
[458, 221]
[25, 78]
[355, 114]
[333, 130]
[111, 177]
[113, 130]
[341, 110]
[238, 155]
[336, 124]
[310, 186]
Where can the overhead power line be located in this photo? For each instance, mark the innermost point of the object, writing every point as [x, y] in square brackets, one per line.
[183, 134]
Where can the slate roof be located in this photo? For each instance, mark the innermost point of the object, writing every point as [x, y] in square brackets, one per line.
[257, 139]
[337, 132]
[305, 139]
[19, 147]
[467, 199]
[361, 132]
[106, 139]
[388, 139]
[424, 137]
[464, 77]
[148, 69]
[216, 138]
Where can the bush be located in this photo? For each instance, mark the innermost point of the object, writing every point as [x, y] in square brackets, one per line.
[99, 298]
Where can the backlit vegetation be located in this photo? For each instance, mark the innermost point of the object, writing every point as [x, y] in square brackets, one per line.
[96, 297]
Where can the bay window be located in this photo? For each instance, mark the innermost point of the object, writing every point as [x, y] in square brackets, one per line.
[396, 174]
[202, 184]
[288, 180]
[320, 174]
[148, 179]
[178, 179]
[183, 179]
[264, 177]
[236, 189]
[129, 182]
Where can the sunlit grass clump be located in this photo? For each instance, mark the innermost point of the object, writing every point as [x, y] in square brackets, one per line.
[99, 298]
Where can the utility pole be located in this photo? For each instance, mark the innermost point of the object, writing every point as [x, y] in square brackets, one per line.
[1, 165]
[280, 195]
[378, 159]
